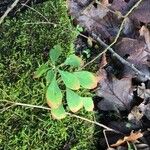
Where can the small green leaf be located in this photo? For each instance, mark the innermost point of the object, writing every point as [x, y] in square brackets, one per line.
[74, 61]
[80, 29]
[53, 94]
[49, 76]
[88, 103]
[55, 52]
[87, 79]
[70, 80]
[74, 101]
[58, 113]
[41, 70]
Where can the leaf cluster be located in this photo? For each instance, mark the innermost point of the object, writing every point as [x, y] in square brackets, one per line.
[73, 81]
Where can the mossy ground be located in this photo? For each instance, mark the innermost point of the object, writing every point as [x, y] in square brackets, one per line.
[23, 47]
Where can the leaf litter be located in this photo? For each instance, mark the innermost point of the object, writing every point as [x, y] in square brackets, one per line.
[120, 87]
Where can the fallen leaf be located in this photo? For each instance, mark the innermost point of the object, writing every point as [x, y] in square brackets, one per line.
[135, 115]
[144, 31]
[105, 2]
[94, 18]
[131, 138]
[128, 27]
[136, 52]
[142, 12]
[116, 94]
[145, 108]
[143, 92]
[119, 5]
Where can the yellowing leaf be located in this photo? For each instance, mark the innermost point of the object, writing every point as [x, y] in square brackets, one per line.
[74, 101]
[70, 80]
[87, 79]
[88, 103]
[53, 94]
[74, 61]
[58, 113]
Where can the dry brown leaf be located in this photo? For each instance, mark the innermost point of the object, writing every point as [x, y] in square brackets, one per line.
[105, 2]
[145, 108]
[128, 27]
[116, 94]
[144, 31]
[142, 12]
[119, 5]
[136, 52]
[131, 138]
[93, 18]
[135, 115]
[143, 92]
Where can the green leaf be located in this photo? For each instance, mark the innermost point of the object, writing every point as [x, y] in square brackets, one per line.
[87, 79]
[74, 61]
[54, 95]
[70, 80]
[58, 113]
[80, 29]
[88, 103]
[55, 52]
[74, 101]
[49, 76]
[41, 70]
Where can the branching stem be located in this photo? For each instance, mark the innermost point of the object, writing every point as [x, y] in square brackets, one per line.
[70, 114]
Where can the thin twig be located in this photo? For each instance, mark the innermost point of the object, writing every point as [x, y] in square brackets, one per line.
[33, 23]
[117, 36]
[70, 114]
[104, 132]
[39, 14]
[22, 6]
[5, 109]
[8, 10]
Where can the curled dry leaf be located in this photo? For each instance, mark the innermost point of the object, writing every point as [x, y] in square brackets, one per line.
[143, 92]
[131, 138]
[145, 108]
[144, 31]
[135, 115]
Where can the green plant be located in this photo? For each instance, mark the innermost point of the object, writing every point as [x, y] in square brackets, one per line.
[74, 81]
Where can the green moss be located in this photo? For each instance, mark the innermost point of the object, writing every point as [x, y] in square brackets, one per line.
[23, 36]
[22, 49]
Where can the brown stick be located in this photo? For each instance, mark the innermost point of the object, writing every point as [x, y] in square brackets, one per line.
[120, 58]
